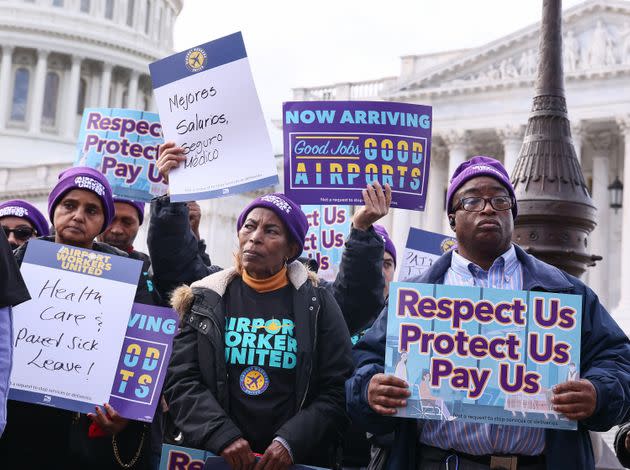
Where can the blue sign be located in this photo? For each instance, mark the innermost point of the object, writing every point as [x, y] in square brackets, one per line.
[483, 355]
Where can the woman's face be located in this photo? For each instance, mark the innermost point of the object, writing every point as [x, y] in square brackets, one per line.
[78, 218]
[264, 244]
[20, 230]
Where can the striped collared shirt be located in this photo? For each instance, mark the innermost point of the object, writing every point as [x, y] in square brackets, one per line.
[482, 439]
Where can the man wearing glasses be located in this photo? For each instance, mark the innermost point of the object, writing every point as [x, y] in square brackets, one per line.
[481, 208]
[21, 221]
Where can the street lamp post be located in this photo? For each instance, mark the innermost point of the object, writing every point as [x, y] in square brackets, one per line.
[556, 213]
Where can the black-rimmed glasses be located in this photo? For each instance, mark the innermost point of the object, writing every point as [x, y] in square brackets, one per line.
[477, 204]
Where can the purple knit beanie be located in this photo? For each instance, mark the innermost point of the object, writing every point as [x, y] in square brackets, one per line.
[389, 245]
[25, 210]
[137, 205]
[288, 211]
[479, 166]
[88, 179]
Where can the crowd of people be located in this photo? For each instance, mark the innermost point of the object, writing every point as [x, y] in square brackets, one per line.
[273, 366]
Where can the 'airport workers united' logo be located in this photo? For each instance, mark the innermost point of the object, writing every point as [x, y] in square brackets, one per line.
[254, 380]
[447, 244]
[196, 59]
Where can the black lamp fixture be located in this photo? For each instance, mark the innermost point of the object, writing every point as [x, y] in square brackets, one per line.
[615, 190]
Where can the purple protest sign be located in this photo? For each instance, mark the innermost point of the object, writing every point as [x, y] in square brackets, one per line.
[143, 361]
[333, 149]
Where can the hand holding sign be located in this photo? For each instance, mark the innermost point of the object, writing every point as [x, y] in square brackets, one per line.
[376, 205]
[109, 420]
[239, 455]
[386, 393]
[276, 457]
[576, 399]
[170, 157]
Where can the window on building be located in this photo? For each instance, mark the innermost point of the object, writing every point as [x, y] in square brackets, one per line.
[147, 18]
[57, 3]
[109, 9]
[85, 6]
[130, 8]
[51, 97]
[20, 94]
[82, 93]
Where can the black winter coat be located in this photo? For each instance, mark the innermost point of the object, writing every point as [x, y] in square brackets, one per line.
[196, 385]
[177, 259]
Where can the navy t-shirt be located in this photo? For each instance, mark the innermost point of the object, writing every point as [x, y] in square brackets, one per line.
[261, 355]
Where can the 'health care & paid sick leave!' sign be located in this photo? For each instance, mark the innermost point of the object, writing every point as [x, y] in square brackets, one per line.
[334, 149]
[67, 339]
[483, 355]
[208, 106]
[123, 144]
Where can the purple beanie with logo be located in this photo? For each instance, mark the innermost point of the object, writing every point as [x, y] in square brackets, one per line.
[389, 244]
[479, 166]
[287, 210]
[137, 205]
[25, 210]
[88, 179]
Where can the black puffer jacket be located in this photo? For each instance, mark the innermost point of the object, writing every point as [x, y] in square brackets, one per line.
[174, 250]
[196, 385]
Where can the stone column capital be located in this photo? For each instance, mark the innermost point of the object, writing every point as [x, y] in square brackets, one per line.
[439, 152]
[624, 124]
[42, 54]
[76, 59]
[107, 67]
[601, 141]
[511, 133]
[456, 138]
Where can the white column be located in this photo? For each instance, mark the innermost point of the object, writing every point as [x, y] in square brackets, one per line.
[598, 275]
[577, 135]
[512, 138]
[94, 90]
[5, 84]
[132, 94]
[457, 143]
[622, 312]
[118, 94]
[401, 221]
[73, 97]
[437, 184]
[39, 84]
[106, 81]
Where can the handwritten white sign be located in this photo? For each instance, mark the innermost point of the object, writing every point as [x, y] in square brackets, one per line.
[208, 105]
[67, 338]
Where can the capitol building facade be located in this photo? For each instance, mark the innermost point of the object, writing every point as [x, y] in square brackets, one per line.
[59, 56]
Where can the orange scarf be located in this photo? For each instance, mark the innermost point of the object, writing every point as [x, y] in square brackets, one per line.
[275, 282]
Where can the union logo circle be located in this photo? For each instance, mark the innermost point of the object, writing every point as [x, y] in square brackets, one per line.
[254, 380]
[196, 59]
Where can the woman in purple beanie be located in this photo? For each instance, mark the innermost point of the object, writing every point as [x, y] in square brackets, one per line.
[21, 221]
[263, 352]
[80, 207]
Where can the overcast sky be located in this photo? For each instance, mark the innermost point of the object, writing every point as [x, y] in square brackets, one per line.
[297, 43]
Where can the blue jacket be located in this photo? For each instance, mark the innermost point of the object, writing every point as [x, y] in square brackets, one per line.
[604, 360]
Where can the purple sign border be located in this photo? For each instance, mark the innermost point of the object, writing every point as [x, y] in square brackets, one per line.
[327, 196]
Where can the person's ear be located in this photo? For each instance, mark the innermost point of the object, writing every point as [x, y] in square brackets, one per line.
[451, 221]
